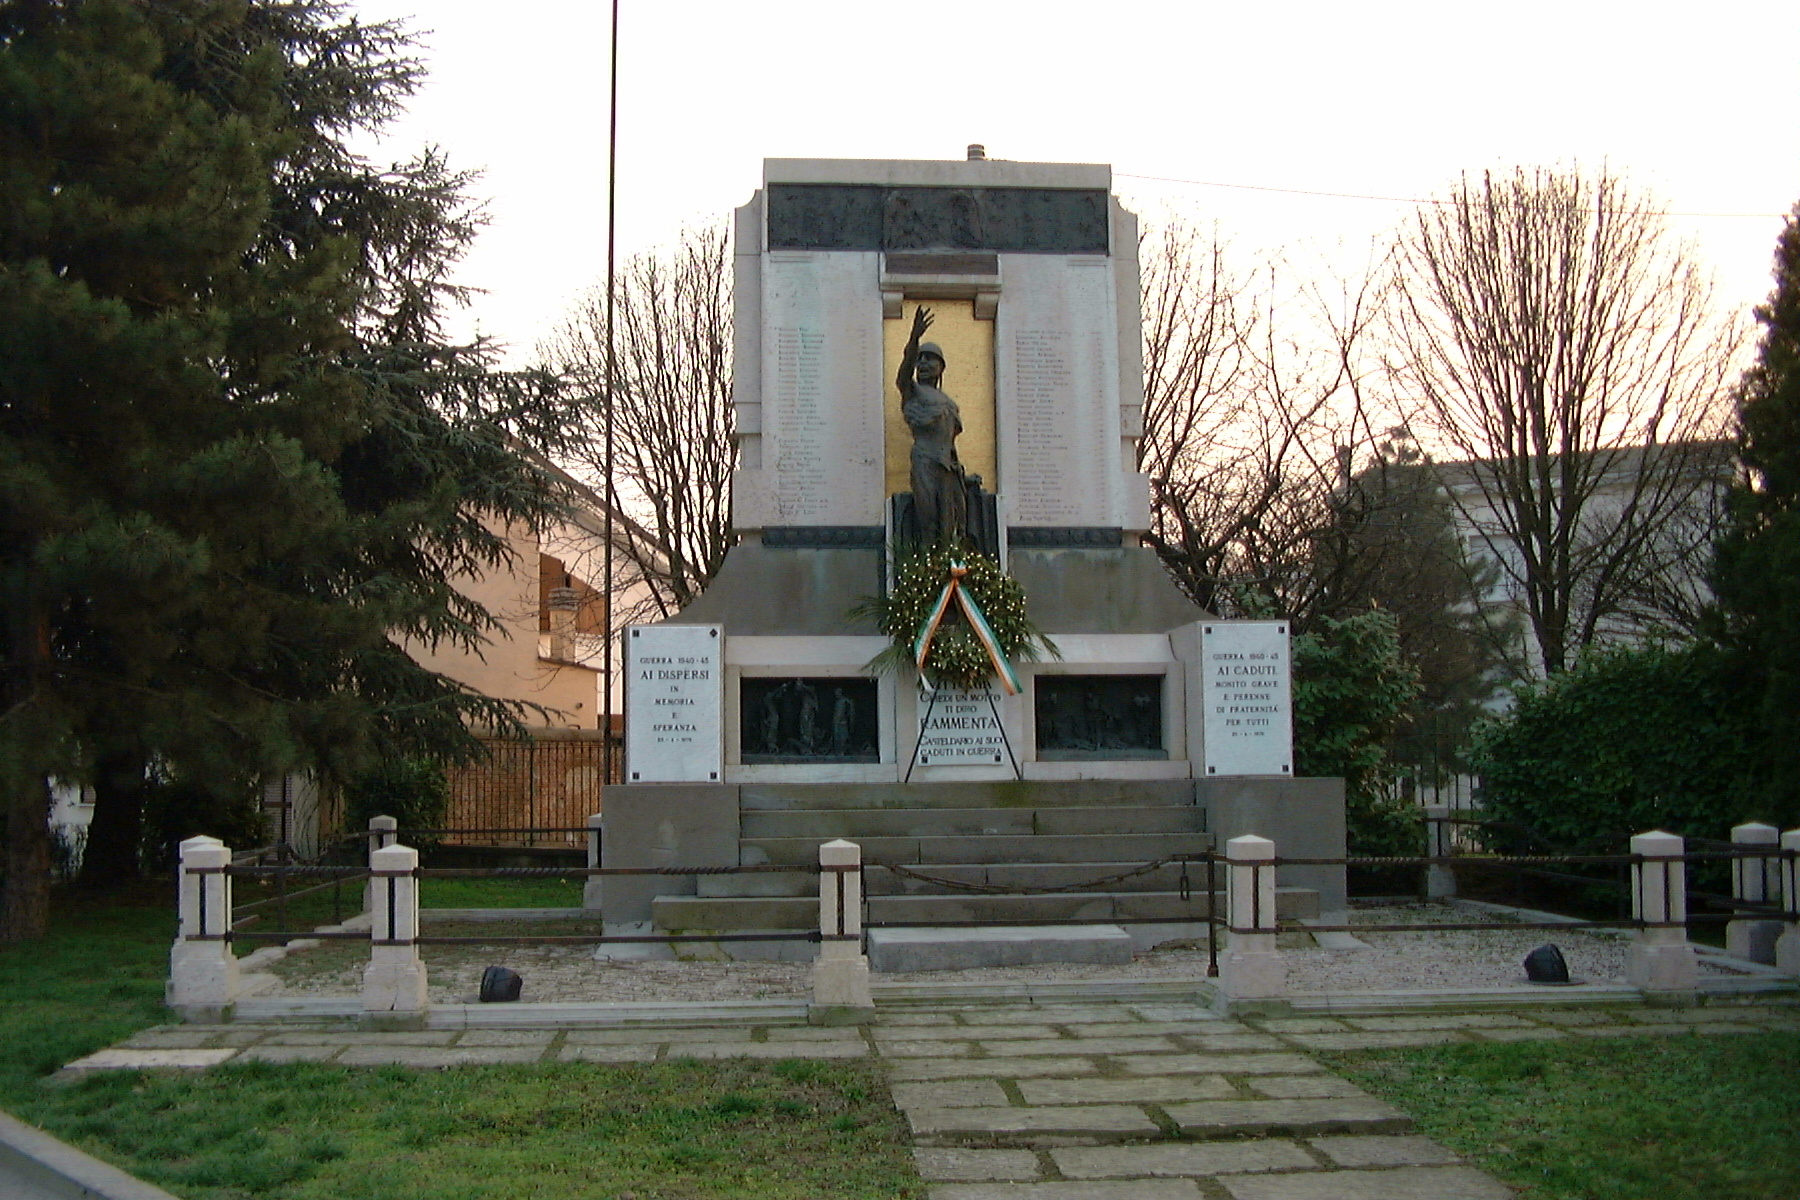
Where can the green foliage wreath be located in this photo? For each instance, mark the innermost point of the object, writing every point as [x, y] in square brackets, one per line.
[956, 659]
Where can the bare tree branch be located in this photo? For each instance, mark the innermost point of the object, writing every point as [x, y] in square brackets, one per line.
[672, 421]
[1555, 341]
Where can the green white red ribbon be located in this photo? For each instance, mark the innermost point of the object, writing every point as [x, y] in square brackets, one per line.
[984, 633]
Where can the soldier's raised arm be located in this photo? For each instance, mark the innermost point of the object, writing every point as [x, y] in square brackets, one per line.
[922, 319]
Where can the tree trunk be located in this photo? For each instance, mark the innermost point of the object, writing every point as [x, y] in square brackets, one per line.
[24, 789]
[25, 898]
[116, 834]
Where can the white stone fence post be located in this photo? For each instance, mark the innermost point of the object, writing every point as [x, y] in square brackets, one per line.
[1787, 947]
[841, 972]
[394, 980]
[383, 831]
[1251, 967]
[1662, 963]
[1755, 881]
[203, 971]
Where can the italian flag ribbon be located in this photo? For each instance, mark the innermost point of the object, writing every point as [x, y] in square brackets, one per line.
[984, 633]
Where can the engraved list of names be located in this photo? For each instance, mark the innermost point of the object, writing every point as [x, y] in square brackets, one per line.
[824, 437]
[1058, 438]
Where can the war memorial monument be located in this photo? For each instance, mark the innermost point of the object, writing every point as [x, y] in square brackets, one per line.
[945, 356]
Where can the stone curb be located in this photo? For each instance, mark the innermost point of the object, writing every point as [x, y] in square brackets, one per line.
[59, 1171]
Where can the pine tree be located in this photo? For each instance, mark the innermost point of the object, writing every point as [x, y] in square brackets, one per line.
[1757, 569]
[238, 461]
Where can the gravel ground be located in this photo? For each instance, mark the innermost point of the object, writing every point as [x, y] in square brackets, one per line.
[1451, 959]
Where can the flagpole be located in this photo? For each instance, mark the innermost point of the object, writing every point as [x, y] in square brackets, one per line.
[612, 376]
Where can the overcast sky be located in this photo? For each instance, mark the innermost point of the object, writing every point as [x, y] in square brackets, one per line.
[1386, 98]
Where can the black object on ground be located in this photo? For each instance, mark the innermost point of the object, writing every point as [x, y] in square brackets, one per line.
[500, 984]
[1546, 965]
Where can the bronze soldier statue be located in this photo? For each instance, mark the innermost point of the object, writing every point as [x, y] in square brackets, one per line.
[940, 503]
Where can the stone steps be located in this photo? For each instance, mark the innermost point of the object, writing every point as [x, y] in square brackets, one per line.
[1004, 848]
[857, 823]
[757, 797]
[802, 912]
[881, 881]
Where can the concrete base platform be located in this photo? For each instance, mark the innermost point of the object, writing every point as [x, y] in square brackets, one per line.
[947, 949]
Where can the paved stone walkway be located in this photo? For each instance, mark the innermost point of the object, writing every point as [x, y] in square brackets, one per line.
[1095, 1101]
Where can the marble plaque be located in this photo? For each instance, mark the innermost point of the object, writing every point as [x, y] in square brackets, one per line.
[960, 730]
[1247, 698]
[1057, 368]
[822, 389]
[674, 703]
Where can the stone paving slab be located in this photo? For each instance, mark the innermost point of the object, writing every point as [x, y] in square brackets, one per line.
[122, 1059]
[1104, 1029]
[1144, 1090]
[1183, 1159]
[1125, 1045]
[1068, 1120]
[1213, 1043]
[1039, 1016]
[616, 1037]
[992, 1068]
[1445, 1021]
[164, 1037]
[815, 1033]
[1176, 1012]
[507, 1037]
[1215, 1117]
[1404, 1183]
[953, 1163]
[286, 1054]
[1218, 1064]
[1302, 1025]
[1377, 1150]
[1632, 1031]
[437, 1056]
[924, 1033]
[357, 1037]
[1135, 1189]
[932, 1049]
[1573, 1016]
[1537, 1033]
[961, 1093]
[607, 1054]
[1375, 1041]
[768, 1050]
[1303, 1087]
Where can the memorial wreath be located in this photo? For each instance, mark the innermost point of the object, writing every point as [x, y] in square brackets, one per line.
[958, 618]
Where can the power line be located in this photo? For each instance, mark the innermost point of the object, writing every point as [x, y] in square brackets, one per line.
[1256, 187]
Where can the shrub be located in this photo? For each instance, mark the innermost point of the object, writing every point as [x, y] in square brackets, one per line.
[1352, 689]
[414, 791]
[1628, 740]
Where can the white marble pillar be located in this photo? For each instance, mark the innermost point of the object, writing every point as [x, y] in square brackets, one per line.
[394, 980]
[1251, 967]
[841, 973]
[1662, 963]
[383, 831]
[203, 971]
[1757, 880]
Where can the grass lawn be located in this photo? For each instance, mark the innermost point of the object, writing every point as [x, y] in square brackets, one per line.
[715, 1130]
[1689, 1117]
[322, 907]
